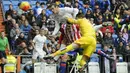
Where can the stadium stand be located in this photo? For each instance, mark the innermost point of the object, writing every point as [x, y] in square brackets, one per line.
[4, 6]
[1, 18]
[15, 3]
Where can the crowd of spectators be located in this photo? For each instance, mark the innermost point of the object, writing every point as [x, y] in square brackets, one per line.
[22, 27]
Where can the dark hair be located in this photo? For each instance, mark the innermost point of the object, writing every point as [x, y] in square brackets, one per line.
[34, 23]
[52, 6]
[19, 4]
[2, 31]
[80, 15]
[10, 5]
[42, 3]
[38, 2]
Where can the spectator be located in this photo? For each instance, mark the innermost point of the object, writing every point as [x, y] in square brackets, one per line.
[120, 38]
[14, 33]
[20, 39]
[50, 26]
[118, 14]
[114, 36]
[33, 32]
[3, 45]
[30, 45]
[85, 8]
[43, 13]
[26, 28]
[89, 14]
[76, 5]
[22, 20]
[120, 48]
[10, 11]
[21, 48]
[107, 15]
[110, 28]
[92, 21]
[107, 49]
[99, 38]
[96, 7]
[108, 39]
[31, 17]
[42, 7]
[43, 22]
[118, 17]
[35, 9]
[125, 35]
[80, 11]
[96, 14]
[13, 40]
[127, 50]
[8, 24]
[99, 19]
[105, 5]
[15, 15]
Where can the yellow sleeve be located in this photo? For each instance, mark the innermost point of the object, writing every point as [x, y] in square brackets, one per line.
[73, 21]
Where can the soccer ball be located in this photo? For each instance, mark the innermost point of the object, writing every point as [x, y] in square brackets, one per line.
[25, 6]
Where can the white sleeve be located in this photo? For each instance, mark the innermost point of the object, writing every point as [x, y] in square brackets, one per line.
[97, 27]
[100, 33]
[57, 28]
[123, 26]
[73, 11]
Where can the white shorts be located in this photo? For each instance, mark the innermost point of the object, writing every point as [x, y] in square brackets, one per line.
[39, 54]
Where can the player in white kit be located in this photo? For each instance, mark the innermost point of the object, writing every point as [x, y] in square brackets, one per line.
[39, 43]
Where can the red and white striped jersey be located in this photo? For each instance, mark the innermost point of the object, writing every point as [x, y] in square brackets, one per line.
[70, 34]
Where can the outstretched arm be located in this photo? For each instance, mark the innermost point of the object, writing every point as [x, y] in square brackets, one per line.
[97, 27]
[73, 21]
[72, 11]
[57, 28]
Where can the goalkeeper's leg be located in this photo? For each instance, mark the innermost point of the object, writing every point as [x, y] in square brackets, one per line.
[63, 51]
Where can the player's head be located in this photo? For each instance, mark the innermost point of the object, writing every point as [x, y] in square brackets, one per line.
[54, 8]
[42, 32]
[80, 15]
[2, 34]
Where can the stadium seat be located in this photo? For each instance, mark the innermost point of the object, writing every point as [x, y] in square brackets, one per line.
[33, 6]
[25, 0]
[94, 58]
[6, 7]
[93, 67]
[6, 2]
[81, 2]
[45, 1]
[10, 68]
[15, 7]
[122, 67]
[99, 46]
[15, 2]
[33, 3]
